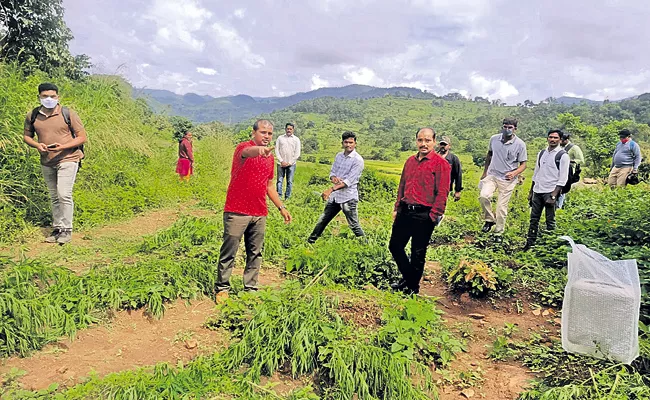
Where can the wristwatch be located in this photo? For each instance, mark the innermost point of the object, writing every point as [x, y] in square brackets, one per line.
[282, 207]
[552, 197]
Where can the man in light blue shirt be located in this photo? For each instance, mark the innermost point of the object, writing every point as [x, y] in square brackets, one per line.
[344, 195]
[625, 161]
[550, 177]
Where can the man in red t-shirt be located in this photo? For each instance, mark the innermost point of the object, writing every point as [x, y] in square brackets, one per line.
[245, 211]
[421, 201]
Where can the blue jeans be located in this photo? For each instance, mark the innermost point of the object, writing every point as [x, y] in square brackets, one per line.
[288, 172]
[349, 209]
[560, 200]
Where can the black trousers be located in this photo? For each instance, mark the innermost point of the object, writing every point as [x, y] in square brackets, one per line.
[538, 205]
[414, 225]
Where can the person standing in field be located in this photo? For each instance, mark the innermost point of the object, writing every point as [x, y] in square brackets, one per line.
[550, 176]
[60, 136]
[625, 160]
[421, 201]
[505, 161]
[444, 149]
[287, 151]
[577, 160]
[344, 194]
[245, 211]
[185, 164]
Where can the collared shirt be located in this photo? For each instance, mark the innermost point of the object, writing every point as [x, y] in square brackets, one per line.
[249, 178]
[53, 129]
[547, 176]
[425, 182]
[349, 169]
[185, 150]
[287, 149]
[506, 156]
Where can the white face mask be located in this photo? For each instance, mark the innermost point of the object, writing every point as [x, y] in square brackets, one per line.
[49, 102]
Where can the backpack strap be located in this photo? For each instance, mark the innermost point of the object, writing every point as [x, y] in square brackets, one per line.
[32, 118]
[568, 147]
[558, 157]
[65, 111]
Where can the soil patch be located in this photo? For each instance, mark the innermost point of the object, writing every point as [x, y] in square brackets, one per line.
[131, 340]
[474, 318]
[361, 313]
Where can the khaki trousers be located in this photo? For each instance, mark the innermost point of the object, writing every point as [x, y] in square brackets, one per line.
[618, 176]
[234, 227]
[489, 185]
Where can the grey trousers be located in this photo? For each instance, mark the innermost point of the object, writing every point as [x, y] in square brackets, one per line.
[59, 181]
[234, 227]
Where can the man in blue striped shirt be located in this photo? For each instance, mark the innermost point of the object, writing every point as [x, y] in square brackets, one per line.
[343, 195]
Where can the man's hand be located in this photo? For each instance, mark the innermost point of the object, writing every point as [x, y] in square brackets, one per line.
[634, 172]
[483, 175]
[394, 215]
[266, 151]
[550, 200]
[456, 196]
[326, 194]
[284, 164]
[530, 199]
[510, 175]
[285, 215]
[336, 180]
[42, 148]
[55, 147]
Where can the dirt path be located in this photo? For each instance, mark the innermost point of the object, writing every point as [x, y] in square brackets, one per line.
[130, 340]
[501, 380]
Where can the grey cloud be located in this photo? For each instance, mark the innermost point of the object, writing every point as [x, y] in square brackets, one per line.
[540, 48]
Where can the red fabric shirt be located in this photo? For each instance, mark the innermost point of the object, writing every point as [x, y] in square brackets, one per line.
[249, 178]
[425, 182]
[185, 150]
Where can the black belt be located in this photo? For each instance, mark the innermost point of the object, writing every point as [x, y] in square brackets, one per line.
[414, 207]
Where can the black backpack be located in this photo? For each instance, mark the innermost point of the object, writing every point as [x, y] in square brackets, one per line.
[574, 168]
[573, 178]
[65, 112]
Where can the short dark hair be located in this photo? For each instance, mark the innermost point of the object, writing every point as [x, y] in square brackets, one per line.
[47, 86]
[259, 122]
[510, 121]
[348, 135]
[289, 124]
[558, 131]
[566, 135]
[426, 127]
[624, 133]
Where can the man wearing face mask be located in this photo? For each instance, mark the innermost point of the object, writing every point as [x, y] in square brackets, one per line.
[59, 139]
[444, 149]
[505, 161]
[625, 161]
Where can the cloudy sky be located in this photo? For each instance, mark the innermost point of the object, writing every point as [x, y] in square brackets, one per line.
[508, 49]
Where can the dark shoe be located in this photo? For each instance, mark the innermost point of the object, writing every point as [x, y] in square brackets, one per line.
[487, 227]
[528, 245]
[409, 292]
[64, 237]
[251, 289]
[311, 241]
[53, 236]
[498, 239]
[399, 285]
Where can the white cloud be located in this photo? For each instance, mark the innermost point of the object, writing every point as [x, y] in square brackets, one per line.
[235, 46]
[177, 23]
[363, 76]
[206, 71]
[494, 89]
[240, 13]
[316, 82]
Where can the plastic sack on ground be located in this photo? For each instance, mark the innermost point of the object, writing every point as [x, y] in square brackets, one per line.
[602, 299]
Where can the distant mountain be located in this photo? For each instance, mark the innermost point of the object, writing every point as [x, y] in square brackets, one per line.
[242, 107]
[569, 101]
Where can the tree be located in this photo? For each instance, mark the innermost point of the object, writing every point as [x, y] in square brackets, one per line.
[34, 34]
[180, 125]
[388, 123]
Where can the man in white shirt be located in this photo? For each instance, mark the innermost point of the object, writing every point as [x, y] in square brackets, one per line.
[550, 176]
[287, 152]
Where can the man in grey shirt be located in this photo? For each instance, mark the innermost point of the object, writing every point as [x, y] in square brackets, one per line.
[625, 160]
[506, 159]
[550, 176]
[287, 152]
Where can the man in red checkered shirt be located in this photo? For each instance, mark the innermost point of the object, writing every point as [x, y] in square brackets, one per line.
[245, 211]
[421, 201]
